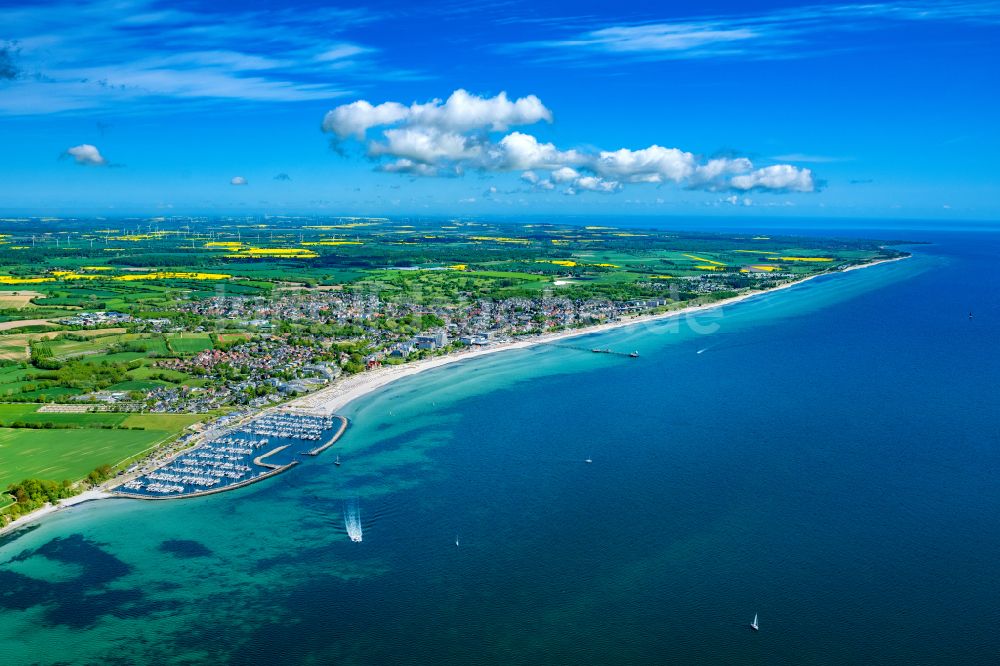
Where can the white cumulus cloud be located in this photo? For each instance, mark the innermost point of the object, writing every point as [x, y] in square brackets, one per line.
[425, 144]
[461, 112]
[565, 175]
[446, 138]
[782, 177]
[86, 155]
[238, 180]
[413, 168]
[518, 151]
[594, 184]
[356, 118]
[647, 165]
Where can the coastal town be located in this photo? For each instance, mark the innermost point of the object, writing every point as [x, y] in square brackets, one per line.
[300, 340]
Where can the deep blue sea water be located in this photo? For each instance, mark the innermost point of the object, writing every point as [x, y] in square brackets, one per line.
[826, 456]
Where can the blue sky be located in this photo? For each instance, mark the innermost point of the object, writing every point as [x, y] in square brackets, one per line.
[711, 108]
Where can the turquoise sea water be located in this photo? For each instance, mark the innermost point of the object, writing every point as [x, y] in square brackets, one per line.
[826, 456]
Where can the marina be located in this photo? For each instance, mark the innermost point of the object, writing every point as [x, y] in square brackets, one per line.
[258, 449]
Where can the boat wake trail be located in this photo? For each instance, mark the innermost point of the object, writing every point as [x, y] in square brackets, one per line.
[352, 519]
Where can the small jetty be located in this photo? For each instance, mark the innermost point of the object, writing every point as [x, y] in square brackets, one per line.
[228, 459]
[596, 350]
[634, 354]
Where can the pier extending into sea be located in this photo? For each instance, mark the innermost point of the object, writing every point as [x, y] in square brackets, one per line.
[594, 350]
[258, 449]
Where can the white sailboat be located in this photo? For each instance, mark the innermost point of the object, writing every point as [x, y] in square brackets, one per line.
[753, 625]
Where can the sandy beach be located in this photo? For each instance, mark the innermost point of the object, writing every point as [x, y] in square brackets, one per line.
[85, 496]
[342, 392]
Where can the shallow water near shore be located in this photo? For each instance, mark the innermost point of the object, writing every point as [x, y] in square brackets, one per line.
[824, 456]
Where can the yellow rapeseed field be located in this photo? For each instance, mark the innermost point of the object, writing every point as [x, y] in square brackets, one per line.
[171, 275]
[8, 279]
[274, 252]
[501, 239]
[706, 260]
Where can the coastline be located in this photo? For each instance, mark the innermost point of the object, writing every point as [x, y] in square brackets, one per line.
[328, 400]
[85, 496]
[335, 397]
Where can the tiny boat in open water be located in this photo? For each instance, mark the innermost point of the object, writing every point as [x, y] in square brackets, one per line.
[753, 625]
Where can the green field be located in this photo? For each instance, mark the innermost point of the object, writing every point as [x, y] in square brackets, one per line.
[67, 454]
[189, 343]
[138, 385]
[29, 414]
[117, 357]
[171, 422]
[72, 454]
[233, 337]
[51, 393]
[94, 348]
